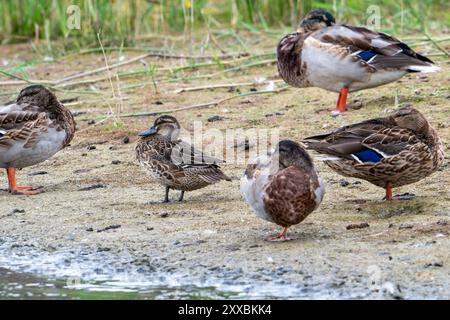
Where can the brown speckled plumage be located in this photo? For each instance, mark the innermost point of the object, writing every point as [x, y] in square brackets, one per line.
[409, 147]
[174, 163]
[32, 130]
[283, 187]
[36, 117]
[336, 57]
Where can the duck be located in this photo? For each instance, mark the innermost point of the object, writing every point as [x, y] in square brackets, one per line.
[343, 58]
[174, 163]
[282, 186]
[388, 152]
[32, 129]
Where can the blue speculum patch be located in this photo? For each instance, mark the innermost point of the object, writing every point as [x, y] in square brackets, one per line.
[368, 155]
[366, 55]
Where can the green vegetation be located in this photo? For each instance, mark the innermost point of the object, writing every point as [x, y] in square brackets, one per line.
[125, 22]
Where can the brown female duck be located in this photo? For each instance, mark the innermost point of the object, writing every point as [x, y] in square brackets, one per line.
[283, 187]
[388, 152]
[32, 130]
[174, 163]
[344, 58]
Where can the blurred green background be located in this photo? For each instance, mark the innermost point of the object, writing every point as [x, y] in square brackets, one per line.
[127, 21]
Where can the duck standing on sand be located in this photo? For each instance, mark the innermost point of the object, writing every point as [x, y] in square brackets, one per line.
[32, 130]
[388, 152]
[343, 58]
[174, 163]
[283, 187]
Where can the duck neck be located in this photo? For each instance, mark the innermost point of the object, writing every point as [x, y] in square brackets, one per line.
[289, 57]
[64, 120]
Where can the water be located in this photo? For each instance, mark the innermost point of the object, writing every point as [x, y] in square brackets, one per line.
[29, 273]
[16, 285]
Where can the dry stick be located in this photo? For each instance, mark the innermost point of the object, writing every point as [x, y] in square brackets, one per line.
[437, 45]
[23, 80]
[204, 105]
[105, 68]
[58, 83]
[224, 85]
[136, 59]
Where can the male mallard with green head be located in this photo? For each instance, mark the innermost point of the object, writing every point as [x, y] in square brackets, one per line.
[283, 186]
[173, 163]
[389, 152]
[32, 130]
[343, 58]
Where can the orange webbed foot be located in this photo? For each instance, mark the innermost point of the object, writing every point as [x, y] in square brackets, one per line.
[280, 237]
[27, 190]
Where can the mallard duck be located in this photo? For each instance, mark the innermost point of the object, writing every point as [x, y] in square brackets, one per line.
[343, 58]
[388, 152]
[173, 163]
[32, 130]
[282, 186]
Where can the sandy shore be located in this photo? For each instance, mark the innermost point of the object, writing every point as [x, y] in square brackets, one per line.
[106, 219]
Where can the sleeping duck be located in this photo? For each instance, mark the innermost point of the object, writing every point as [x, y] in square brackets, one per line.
[343, 58]
[388, 152]
[173, 163]
[32, 130]
[282, 186]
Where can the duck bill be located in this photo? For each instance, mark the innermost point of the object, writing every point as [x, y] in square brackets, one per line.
[148, 132]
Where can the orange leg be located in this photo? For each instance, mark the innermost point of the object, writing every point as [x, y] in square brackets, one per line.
[388, 191]
[15, 189]
[342, 100]
[281, 236]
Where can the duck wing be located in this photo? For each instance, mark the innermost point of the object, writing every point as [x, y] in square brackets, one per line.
[183, 153]
[193, 162]
[368, 141]
[21, 125]
[375, 49]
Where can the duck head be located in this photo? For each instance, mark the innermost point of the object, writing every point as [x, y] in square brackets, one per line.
[166, 126]
[412, 119]
[37, 95]
[315, 20]
[290, 153]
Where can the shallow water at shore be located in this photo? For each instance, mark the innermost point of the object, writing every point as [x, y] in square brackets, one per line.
[15, 285]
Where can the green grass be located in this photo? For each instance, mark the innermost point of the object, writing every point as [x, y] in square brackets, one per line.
[123, 22]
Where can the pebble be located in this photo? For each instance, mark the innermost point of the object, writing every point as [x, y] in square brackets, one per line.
[343, 183]
[215, 118]
[38, 173]
[357, 226]
[405, 196]
[18, 211]
[126, 140]
[92, 187]
[355, 104]
[113, 226]
[438, 264]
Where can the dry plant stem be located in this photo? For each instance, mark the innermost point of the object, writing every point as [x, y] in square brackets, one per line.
[105, 68]
[203, 105]
[437, 45]
[136, 59]
[224, 85]
[63, 82]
